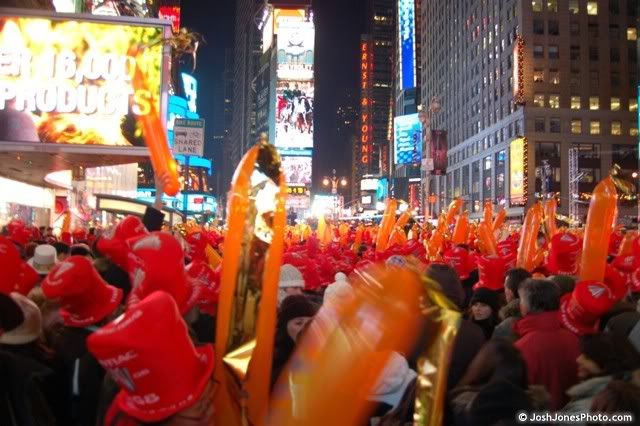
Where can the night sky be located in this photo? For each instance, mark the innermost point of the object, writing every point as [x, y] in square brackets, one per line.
[338, 28]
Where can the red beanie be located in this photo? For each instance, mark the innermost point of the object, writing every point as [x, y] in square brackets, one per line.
[115, 247]
[581, 310]
[148, 352]
[491, 270]
[458, 259]
[206, 283]
[564, 254]
[79, 235]
[84, 297]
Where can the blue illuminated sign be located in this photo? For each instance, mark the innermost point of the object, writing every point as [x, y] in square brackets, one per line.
[407, 34]
[190, 85]
[407, 139]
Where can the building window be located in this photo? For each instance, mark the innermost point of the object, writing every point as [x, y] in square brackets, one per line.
[615, 79]
[538, 51]
[592, 7]
[539, 125]
[593, 53]
[575, 102]
[614, 31]
[538, 75]
[574, 28]
[594, 127]
[554, 76]
[594, 79]
[615, 104]
[574, 53]
[574, 78]
[593, 29]
[576, 126]
[616, 128]
[633, 105]
[614, 55]
[538, 26]
[554, 101]
[614, 7]
[536, 5]
[554, 53]
[554, 125]
[554, 28]
[574, 6]
[632, 34]
[538, 100]
[594, 103]
[633, 131]
[552, 5]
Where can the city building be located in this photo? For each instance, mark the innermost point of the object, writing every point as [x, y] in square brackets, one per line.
[346, 134]
[526, 88]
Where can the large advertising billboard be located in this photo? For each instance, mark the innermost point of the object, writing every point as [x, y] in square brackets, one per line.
[517, 175]
[407, 35]
[407, 139]
[297, 170]
[439, 151]
[295, 50]
[69, 81]
[294, 114]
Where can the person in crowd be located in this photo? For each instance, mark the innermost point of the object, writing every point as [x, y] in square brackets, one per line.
[619, 396]
[86, 302]
[44, 258]
[565, 283]
[81, 249]
[177, 386]
[603, 358]
[549, 350]
[339, 291]
[483, 311]
[510, 313]
[294, 313]
[627, 325]
[291, 282]
[62, 250]
[495, 387]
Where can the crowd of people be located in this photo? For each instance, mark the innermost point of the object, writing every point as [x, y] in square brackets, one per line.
[117, 329]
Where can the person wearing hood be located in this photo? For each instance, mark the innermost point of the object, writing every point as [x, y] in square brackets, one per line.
[603, 358]
[510, 313]
[483, 311]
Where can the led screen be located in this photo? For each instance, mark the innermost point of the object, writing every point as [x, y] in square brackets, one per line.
[297, 170]
[407, 139]
[294, 115]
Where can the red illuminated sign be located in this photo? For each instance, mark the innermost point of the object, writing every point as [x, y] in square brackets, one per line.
[171, 13]
[366, 121]
[198, 200]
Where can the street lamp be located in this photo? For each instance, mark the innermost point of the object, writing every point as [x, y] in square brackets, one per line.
[334, 181]
[427, 164]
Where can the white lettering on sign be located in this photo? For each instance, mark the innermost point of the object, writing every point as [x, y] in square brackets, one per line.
[188, 137]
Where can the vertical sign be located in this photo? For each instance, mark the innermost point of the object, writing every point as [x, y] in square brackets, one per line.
[518, 172]
[518, 71]
[366, 107]
[407, 43]
[439, 151]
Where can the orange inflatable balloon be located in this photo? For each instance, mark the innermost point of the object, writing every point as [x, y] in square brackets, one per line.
[550, 207]
[437, 239]
[487, 240]
[454, 208]
[403, 219]
[527, 248]
[398, 237]
[626, 246]
[488, 213]
[386, 226]
[358, 238]
[499, 220]
[461, 231]
[597, 232]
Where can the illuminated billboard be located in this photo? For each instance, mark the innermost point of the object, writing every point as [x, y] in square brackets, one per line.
[70, 81]
[298, 202]
[407, 43]
[439, 149]
[518, 71]
[295, 50]
[297, 170]
[190, 85]
[407, 139]
[366, 105]
[294, 114]
[518, 171]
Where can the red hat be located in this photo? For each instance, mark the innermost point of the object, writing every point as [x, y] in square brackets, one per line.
[65, 237]
[79, 235]
[626, 264]
[617, 281]
[491, 270]
[21, 236]
[564, 254]
[458, 259]
[10, 261]
[206, 282]
[85, 298]
[148, 352]
[508, 250]
[581, 310]
[614, 242]
[115, 247]
[27, 279]
[197, 245]
[156, 262]
[14, 225]
[635, 281]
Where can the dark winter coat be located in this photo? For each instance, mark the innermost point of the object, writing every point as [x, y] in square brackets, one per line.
[510, 314]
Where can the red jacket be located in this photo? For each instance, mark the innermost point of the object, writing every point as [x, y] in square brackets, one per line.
[550, 352]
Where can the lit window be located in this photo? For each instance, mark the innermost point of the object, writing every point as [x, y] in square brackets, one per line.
[554, 76]
[574, 7]
[554, 101]
[538, 75]
[538, 51]
[594, 103]
[633, 131]
[576, 126]
[575, 102]
[616, 128]
[594, 127]
[554, 53]
[615, 104]
[536, 5]
[633, 105]
[552, 5]
[538, 100]
[592, 7]
[632, 34]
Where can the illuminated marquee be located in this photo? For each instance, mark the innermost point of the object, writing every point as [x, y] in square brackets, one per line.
[518, 172]
[518, 71]
[366, 107]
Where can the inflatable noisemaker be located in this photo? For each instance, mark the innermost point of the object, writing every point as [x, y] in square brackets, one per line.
[343, 231]
[564, 254]
[155, 136]
[487, 214]
[491, 272]
[550, 208]
[437, 238]
[453, 210]
[398, 237]
[600, 221]
[357, 239]
[386, 226]
[403, 219]
[626, 246]
[458, 259]
[528, 247]
[499, 220]
[461, 230]
[249, 284]
[508, 251]
[487, 239]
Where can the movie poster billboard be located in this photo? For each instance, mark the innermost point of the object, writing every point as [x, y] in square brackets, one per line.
[407, 139]
[439, 151]
[69, 81]
[516, 171]
[294, 114]
[297, 170]
[407, 42]
[295, 50]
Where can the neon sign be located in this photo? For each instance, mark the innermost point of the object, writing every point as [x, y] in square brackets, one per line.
[366, 121]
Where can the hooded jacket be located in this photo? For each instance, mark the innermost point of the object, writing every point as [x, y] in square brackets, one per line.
[550, 352]
[583, 393]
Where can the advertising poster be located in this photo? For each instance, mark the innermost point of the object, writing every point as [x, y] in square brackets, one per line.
[407, 34]
[516, 171]
[407, 139]
[298, 202]
[295, 50]
[70, 82]
[294, 114]
[297, 170]
[439, 151]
